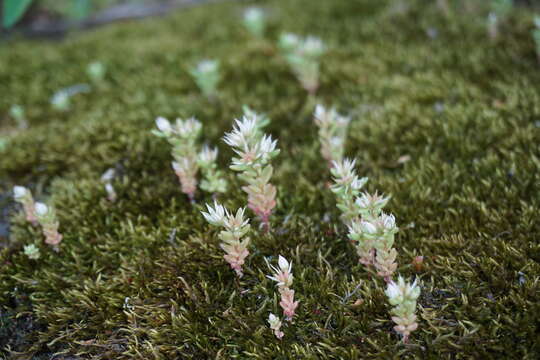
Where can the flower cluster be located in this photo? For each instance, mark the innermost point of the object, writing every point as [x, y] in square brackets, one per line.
[254, 21]
[374, 238]
[302, 55]
[536, 35]
[284, 278]
[46, 217]
[254, 150]
[234, 242]
[183, 136]
[403, 297]
[371, 230]
[24, 197]
[206, 75]
[347, 186]
[332, 132]
[106, 179]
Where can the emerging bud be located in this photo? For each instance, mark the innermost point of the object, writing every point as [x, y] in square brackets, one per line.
[24, 197]
[275, 325]
[46, 217]
[32, 251]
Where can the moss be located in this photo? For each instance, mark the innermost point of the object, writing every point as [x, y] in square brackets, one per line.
[464, 110]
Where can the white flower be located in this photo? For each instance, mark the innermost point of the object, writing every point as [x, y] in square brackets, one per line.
[19, 192]
[253, 14]
[217, 215]
[108, 175]
[388, 221]
[358, 183]
[189, 127]
[244, 132]
[110, 191]
[320, 113]
[368, 227]
[313, 46]
[32, 251]
[41, 209]
[363, 201]
[235, 222]
[183, 166]
[208, 155]
[266, 146]
[344, 168]
[206, 66]
[284, 264]
[289, 41]
[163, 125]
[393, 290]
[274, 322]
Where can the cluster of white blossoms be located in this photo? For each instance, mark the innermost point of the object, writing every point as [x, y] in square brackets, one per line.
[207, 76]
[302, 55]
[402, 296]
[284, 278]
[369, 228]
[332, 133]
[254, 152]
[183, 137]
[233, 237]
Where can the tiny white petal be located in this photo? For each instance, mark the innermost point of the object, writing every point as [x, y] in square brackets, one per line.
[19, 191]
[41, 209]
[163, 124]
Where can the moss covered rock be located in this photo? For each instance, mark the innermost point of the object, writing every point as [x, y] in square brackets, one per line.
[444, 120]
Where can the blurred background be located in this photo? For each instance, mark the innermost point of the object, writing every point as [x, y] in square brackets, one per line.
[55, 17]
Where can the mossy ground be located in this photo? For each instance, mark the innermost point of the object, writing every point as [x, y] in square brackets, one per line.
[463, 109]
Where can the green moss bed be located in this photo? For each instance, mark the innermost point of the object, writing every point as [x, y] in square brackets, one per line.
[418, 85]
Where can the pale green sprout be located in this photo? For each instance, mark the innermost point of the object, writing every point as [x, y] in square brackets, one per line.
[24, 197]
[46, 217]
[403, 296]
[500, 9]
[182, 136]
[332, 132]
[536, 35]
[303, 56]
[275, 325]
[96, 71]
[32, 251]
[254, 21]
[60, 101]
[213, 181]
[207, 76]
[18, 114]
